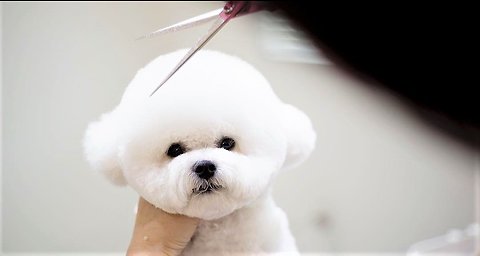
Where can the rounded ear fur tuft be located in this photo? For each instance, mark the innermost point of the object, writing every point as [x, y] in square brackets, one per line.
[300, 136]
[101, 148]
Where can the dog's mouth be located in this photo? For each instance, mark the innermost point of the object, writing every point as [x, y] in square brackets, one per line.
[206, 188]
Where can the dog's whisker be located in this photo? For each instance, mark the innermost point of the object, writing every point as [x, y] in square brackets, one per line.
[206, 186]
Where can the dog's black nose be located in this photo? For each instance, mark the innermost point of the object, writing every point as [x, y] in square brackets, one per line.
[204, 169]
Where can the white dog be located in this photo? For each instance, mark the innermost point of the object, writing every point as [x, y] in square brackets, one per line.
[207, 144]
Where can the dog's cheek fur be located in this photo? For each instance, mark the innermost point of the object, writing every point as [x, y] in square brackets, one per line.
[163, 187]
[161, 180]
[250, 178]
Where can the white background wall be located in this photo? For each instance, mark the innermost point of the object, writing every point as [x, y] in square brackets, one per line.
[378, 181]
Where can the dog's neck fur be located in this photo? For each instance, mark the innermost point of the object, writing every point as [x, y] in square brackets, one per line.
[256, 228]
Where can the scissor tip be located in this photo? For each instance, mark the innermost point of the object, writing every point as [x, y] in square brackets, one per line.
[154, 91]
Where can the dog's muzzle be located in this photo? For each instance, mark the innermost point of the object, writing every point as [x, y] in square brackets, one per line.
[206, 182]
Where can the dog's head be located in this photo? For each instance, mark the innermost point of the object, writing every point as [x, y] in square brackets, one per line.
[207, 143]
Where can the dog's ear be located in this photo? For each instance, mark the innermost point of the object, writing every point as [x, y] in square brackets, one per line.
[101, 147]
[299, 133]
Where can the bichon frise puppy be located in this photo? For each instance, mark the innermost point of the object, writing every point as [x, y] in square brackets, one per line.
[207, 144]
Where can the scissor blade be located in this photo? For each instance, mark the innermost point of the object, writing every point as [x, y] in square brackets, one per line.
[217, 25]
[192, 22]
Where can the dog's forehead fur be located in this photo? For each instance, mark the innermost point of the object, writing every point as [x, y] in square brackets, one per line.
[210, 79]
[212, 96]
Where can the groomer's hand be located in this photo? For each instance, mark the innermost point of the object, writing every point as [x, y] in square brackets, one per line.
[159, 233]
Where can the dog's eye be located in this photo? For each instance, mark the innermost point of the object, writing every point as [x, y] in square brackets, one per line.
[175, 150]
[226, 143]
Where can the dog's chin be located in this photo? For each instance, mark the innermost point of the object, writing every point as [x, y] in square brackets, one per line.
[210, 201]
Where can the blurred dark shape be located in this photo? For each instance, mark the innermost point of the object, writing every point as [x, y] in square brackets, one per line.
[422, 53]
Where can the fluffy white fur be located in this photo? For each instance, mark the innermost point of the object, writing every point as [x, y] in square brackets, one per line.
[211, 96]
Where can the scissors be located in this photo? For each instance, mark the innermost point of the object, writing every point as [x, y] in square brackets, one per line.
[221, 16]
